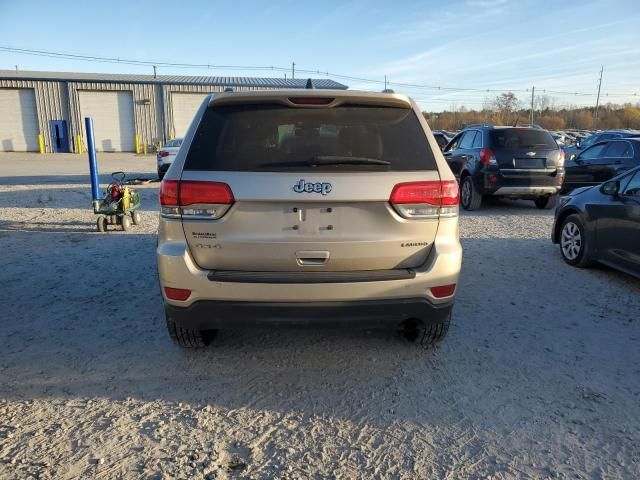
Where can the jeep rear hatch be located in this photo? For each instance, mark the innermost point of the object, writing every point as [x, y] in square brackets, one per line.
[275, 187]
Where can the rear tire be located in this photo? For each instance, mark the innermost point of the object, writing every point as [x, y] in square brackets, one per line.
[101, 223]
[573, 242]
[546, 202]
[187, 338]
[470, 198]
[415, 331]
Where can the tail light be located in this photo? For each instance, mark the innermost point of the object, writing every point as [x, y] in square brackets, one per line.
[195, 199]
[163, 153]
[432, 199]
[561, 159]
[487, 157]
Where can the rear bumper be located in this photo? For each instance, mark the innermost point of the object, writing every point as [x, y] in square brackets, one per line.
[526, 191]
[211, 314]
[520, 183]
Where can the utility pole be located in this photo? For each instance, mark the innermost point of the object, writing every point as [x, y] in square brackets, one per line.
[293, 70]
[595, 112]
[385, 82]
[16, 68]
[533, 90]
[154, 72]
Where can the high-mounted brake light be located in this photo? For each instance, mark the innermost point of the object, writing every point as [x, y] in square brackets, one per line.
[195, 199]
[487, 157]
[311, 100]
[430, 199]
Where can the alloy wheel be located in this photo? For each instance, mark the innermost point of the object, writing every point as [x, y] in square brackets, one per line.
[571, 241]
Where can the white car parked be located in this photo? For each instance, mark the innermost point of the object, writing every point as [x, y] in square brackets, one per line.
[166, 155]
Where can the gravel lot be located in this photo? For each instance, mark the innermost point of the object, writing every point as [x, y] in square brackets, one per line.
[538, 378]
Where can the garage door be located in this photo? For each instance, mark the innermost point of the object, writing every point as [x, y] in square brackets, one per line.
[18, 120]
[113, 122]
[185, 106]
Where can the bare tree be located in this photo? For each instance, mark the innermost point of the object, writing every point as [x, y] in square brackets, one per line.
[505, 105]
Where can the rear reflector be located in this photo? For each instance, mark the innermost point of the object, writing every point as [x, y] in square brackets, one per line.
[177, 293]
[311, 100]
[163, 153]
[216, 197]
[443, 290]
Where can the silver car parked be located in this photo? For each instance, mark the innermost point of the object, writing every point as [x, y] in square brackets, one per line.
[308, 206]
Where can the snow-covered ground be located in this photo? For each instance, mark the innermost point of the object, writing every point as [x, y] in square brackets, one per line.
[538, 378]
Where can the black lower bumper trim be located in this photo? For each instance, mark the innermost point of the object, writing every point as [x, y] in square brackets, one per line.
[211, 314]
[310, 277]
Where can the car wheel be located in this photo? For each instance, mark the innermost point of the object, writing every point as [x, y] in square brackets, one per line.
[126, 223]
[160, 174]
[546, 202]
[573, 242]
[415, 331]
[101, 223]
[188, 338]
[136, 217]
[470, 199]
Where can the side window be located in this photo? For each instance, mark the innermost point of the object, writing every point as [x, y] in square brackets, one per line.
[632, 188]
[593, 152]
[454, 143]
[616, 149]
[477, 143]
[467, 140]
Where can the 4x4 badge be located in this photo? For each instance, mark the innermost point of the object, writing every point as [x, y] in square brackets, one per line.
[318, 187]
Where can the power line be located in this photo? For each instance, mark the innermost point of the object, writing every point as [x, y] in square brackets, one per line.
[373, 81]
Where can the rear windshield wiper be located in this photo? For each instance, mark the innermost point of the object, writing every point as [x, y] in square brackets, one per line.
[323, 160]
[345, 160]
[532, 145]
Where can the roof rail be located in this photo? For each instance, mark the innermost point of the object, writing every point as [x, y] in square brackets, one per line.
[471, 125]
[529, 125]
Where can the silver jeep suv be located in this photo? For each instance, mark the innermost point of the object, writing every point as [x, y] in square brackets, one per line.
[308, 206]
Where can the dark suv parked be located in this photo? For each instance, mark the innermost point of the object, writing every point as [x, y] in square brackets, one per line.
[513, 162]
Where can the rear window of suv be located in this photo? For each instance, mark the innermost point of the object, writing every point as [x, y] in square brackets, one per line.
[521, 138]
[275, 138]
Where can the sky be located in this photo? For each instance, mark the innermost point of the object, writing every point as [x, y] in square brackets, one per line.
[471, 49]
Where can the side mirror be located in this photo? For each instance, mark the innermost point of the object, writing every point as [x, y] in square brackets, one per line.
[578, 144]
[611, 188]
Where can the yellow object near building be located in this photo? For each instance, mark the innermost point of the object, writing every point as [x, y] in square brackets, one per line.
[41, 143]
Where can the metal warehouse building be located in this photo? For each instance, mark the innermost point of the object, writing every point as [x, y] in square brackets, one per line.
[44, 111]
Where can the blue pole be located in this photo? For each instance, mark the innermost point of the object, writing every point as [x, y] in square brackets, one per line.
[93, 163]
